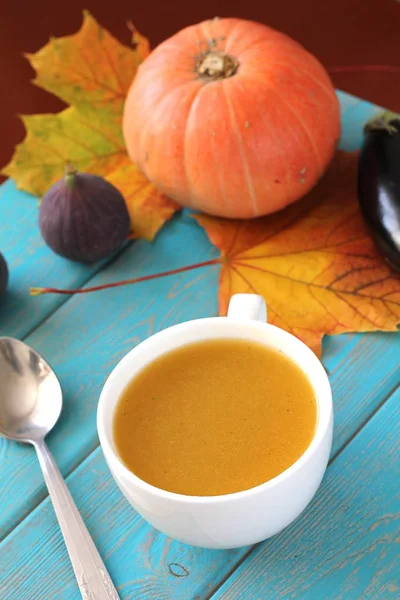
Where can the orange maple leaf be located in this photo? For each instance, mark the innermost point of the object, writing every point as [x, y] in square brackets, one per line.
[91, 71]
[314, 263]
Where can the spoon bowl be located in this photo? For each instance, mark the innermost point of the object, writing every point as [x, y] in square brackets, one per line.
[30, 393]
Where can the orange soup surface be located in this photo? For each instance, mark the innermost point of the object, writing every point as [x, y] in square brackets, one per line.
[215, 417]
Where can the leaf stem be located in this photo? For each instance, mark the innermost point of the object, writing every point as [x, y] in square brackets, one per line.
[37, 291]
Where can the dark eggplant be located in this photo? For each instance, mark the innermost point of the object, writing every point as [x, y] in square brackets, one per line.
[379, 184]
[83, 217]
[3, 274]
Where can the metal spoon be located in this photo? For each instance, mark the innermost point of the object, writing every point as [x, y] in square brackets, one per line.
[30, 404]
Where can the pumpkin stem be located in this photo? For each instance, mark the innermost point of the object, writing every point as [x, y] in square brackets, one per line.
[217, 65]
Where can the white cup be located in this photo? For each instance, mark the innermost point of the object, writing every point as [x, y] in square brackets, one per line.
[242, 518]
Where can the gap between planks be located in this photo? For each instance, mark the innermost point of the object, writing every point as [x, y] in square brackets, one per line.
[36, 505]
[66, 299]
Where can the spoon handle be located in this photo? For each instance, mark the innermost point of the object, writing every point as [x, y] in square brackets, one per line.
[92, 576]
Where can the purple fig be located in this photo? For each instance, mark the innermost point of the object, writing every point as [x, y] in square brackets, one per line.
[3, 274]
[83, 217]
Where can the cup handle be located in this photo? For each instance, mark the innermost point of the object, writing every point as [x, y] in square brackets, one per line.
[247, 307]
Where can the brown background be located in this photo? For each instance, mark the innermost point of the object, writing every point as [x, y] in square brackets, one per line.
[341, 33]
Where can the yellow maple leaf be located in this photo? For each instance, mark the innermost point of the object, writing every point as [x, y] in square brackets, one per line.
[314, 263]
[146, 205]
[90, 66]
[91, 71]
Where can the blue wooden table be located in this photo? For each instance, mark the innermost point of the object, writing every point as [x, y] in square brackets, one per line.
[347, 543]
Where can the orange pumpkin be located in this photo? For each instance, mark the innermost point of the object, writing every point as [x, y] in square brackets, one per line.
[232, 118]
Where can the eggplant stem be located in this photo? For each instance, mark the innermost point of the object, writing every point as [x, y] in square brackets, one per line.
[384, 121]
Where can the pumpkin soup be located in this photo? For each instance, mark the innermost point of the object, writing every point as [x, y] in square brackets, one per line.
[215, 417]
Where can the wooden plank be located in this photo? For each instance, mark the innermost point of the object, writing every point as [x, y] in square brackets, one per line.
[354, 114]
[31, 263]
[346, 544]
[331, 552]
[361, 380]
